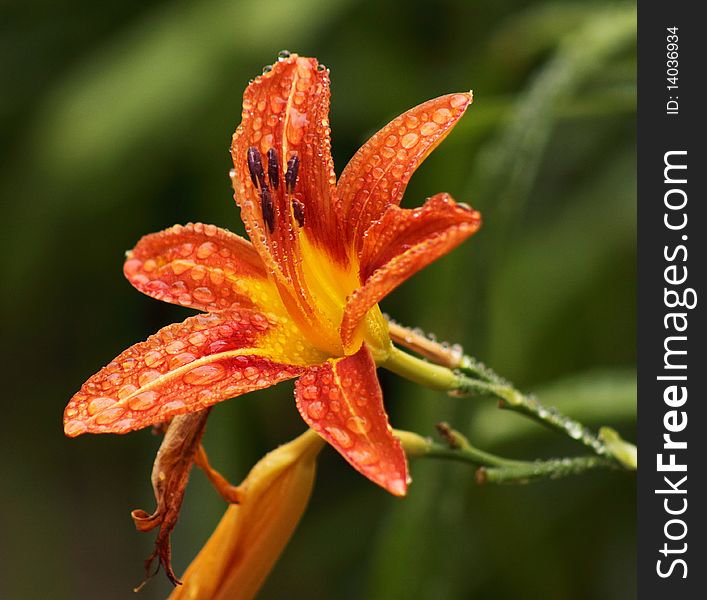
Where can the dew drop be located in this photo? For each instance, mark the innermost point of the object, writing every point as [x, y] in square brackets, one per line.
[109, 415]
[186, 249]
[143, 400]
[153, 358]
[198, 273]
[387, 152]
[126, 390]
[316, 410]
[441, 115]
[409, 140]
[203, 294]
[128, 364]
[179, 267]
[339, 436]
[206, 249]
[205, 374]
[173, 347]
[358, 424]
[184, 358]
[132, 266]
[157, 286]
[148, 376]
[363, 456]
[74, 428]
[98, 404]
[197, 338]
[311, 392]
[217, 276]
[429, 128]
[458, 100]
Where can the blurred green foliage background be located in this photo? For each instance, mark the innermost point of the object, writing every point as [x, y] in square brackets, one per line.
[116, 119]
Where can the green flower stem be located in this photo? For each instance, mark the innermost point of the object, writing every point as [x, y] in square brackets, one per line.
[491, 468]
[513, 400]
[472, 377]
[554, 468]
[420, 371]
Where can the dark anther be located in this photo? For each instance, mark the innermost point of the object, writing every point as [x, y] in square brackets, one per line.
[255, 166]
[298, 210]
[268, 209]
[291, 174]
[273, 168]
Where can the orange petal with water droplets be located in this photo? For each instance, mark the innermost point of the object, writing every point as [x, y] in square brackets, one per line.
[378, 173]
[187, 367]
[342, 401]
[287, 110]
[399, 244]
[283, 175]
[203, 267]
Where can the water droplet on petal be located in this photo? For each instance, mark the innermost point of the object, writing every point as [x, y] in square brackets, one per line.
[363, 455]
[128, 364]
[181, 359]
[148, 376]
[316, 410]
[340, 436]
[441, 115]
[458, 100]
[175, 347]
[99, 404]
[153, 358]
[409, 140]
[143, 401]
[74, 428]
[429, 128]
[206, 249]
[196, 339]
[126, 390]
[204, 295]
[205, 374]
[109, 415]
[358, 424]
[311, 392]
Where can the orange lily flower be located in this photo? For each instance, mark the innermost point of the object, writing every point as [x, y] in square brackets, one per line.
[300, 299]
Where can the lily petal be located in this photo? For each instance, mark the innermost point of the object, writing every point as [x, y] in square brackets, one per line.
[342, 401]
[379, 172]
[187, 367]
[203, 267]
[284, 179]
[399, 244]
